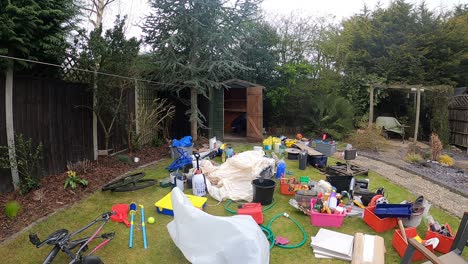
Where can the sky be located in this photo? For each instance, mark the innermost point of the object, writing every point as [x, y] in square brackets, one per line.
[339, 9]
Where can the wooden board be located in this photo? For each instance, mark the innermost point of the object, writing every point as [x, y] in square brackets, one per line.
[254, 113]
[310, 151]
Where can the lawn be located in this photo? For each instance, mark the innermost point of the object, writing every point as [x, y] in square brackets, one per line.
[162, 249]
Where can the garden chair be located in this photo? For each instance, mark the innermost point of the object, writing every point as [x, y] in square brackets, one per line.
[391, 124]
[453, 257]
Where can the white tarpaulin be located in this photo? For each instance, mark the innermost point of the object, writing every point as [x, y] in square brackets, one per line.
[233, 179]
[208, 239]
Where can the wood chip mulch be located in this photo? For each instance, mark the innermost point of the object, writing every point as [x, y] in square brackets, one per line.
[54, 196]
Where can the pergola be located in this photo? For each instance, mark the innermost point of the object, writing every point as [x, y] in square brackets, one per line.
[416, 88]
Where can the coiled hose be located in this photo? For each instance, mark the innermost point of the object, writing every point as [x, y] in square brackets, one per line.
[271, 236]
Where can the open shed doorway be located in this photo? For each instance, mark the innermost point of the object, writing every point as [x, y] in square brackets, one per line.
[243, 111]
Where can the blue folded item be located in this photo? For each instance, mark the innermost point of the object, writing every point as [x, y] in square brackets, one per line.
[183, 142]
[393, 210]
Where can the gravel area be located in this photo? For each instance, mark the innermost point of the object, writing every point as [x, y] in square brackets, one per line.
[436, 194]
[453, 178]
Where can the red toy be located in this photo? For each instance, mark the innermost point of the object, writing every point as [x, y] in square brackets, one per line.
[252, 209]
[121, 214]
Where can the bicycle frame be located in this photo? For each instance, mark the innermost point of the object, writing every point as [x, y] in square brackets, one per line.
[66, 245]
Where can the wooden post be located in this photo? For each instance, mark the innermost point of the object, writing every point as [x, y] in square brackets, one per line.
[137, 124]
[418, 108]
[371, 105]
[10, 130]
[95, 121]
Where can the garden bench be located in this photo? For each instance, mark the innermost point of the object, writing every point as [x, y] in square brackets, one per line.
[391, 124]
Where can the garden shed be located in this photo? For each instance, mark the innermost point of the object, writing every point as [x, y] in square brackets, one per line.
[458, 119]
[236, 112]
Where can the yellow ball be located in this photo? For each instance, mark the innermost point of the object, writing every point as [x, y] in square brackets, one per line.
[151, 220]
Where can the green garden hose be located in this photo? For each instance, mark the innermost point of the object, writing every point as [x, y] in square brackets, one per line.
[267, 229]
[271, 236]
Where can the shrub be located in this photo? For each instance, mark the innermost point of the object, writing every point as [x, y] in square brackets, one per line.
[157, 142]
[368, 139]
[27, 160]
[446, 160]
[436, 146]
[413, 158]
[124, 158]
[73, 180]
[12, 208]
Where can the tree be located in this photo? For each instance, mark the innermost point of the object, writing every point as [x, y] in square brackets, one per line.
[108, 52]
[36, 30]
[193, 44]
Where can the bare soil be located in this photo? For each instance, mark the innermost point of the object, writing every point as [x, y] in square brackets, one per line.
[55, 197]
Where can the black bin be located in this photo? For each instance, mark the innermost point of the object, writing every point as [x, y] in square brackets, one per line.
[263, 190]
[341, 183]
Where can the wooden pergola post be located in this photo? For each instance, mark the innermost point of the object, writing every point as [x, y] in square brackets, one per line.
[418, 108]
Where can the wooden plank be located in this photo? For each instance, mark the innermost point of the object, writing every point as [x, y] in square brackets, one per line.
[310, 151]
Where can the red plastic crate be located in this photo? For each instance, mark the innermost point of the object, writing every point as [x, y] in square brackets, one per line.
[445, 242]
[378, 224]
[252, 209]
[400, 245]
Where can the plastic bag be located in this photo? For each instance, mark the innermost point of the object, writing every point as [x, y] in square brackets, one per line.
[183, 142]
[204, 238]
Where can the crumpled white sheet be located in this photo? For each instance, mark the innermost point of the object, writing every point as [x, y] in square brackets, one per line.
[233, 179]
[208, 239]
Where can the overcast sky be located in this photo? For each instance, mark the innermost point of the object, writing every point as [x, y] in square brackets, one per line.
[137, 9]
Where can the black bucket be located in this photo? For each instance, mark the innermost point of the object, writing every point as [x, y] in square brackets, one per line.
[263, 190]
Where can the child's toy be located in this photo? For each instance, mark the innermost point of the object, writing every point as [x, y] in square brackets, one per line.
[143, 227]
[120, 214]
[164, 205]
[132, 217]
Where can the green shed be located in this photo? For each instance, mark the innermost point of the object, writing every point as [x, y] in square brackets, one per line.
[236, 112]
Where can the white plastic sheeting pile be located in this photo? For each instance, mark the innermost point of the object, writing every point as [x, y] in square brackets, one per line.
[233, 179]
[205, 238]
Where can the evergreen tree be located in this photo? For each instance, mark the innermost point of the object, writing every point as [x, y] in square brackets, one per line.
[194, 43]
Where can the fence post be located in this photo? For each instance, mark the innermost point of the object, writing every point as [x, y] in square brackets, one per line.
[137, 124]
[10, 130]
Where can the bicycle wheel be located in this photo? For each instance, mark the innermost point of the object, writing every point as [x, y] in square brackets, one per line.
[123, 181]
[132, 186]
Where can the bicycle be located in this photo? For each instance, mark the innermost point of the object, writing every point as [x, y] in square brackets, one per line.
[128, 183]
[61, 240]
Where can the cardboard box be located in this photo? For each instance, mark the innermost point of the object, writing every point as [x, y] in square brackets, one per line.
[368, 249]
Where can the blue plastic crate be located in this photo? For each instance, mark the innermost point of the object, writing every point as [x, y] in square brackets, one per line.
[393, 210]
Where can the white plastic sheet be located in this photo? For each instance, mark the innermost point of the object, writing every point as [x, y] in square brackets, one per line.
[233, 179]
[204, 238]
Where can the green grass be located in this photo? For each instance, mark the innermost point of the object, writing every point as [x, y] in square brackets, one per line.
[162, 249]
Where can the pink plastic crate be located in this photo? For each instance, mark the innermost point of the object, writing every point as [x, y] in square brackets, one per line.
[325, 220]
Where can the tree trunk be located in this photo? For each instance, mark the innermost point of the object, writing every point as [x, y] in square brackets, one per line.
[194, 113]
[10, 125]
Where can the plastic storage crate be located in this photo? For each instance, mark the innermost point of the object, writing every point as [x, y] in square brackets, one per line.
[164, 206]
[188, 151]
[318, 161]
[400, 244]
[325, 220]
[445, 242]
[341, 183]
[327, 149]
[378, 224]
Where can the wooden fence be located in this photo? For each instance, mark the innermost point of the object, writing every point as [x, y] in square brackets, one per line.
[48, 111]
[458, 120]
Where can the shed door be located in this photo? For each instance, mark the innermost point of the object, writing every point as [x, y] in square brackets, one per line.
[254, 113]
